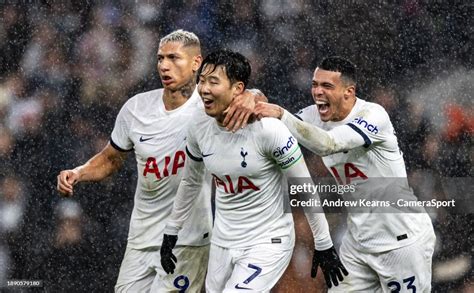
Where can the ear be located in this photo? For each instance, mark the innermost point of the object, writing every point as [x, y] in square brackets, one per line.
[350, 91]
[239, 88]
[197, 60]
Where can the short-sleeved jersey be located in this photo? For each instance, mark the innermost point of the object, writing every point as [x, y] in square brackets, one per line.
[158, 138]
[247, 170]
[377, 157]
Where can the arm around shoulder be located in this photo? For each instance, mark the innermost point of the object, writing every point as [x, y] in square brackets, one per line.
[320, 141]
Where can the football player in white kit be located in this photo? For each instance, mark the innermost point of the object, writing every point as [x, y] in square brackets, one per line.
[383, 252]
[253, 236]
[153, 125]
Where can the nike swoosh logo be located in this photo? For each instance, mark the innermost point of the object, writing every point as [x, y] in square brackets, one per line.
[207, 155]
[144, 139]
[242, 288]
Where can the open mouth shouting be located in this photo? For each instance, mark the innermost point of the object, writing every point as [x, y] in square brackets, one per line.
[208, 102]
[323, 107]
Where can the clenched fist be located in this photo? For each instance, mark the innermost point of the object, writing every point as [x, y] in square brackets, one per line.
[66, 181]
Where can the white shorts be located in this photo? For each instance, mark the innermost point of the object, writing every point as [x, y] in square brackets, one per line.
[256, 269]
[405, 269]
[141, 270]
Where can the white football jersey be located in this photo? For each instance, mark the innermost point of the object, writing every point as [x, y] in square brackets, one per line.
[371, 151]
[247, 170]
[158, 138]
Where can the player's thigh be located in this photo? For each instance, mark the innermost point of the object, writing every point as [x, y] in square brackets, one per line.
[189, 274]
[219, 269]
[259, 268]
[407, 269]
[361, 277]
[136, 271]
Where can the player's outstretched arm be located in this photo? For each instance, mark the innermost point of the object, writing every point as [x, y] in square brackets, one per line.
[264, 109]
[315, 139]
[97, 168]
[242, 107]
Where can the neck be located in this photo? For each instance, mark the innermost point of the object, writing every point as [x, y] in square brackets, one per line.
[176, 98]
[220, 120]
[348, 109]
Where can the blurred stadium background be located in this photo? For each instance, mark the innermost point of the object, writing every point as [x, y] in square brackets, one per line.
[66, 67]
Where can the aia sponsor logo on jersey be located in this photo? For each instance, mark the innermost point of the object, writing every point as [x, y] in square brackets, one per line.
[350, 172]
[151, 166]
[370, 127]
[280, 151]
[229, 186]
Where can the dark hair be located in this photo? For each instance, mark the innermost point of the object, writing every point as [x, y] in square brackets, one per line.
[339, 64]
[237, 67]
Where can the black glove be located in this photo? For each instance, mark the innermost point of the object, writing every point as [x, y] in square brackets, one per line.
[168, 259]
[330, 264]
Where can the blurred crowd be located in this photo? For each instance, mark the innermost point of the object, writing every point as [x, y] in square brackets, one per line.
[66, 67]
